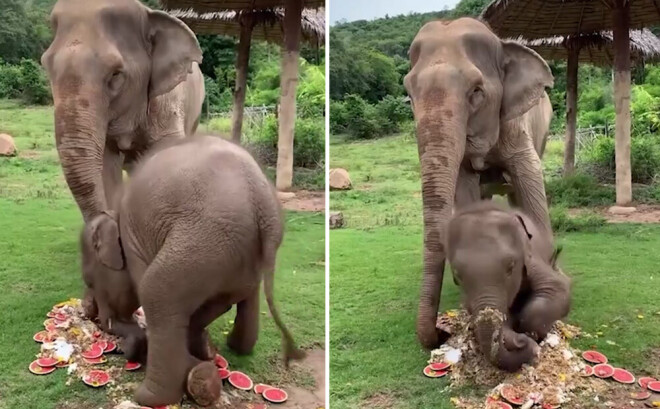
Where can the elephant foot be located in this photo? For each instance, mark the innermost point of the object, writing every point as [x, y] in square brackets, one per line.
[201, 346]
[432, 337]
[239, 345]
[152, 395]
[135, 349]
[204, 386]
[89, 306]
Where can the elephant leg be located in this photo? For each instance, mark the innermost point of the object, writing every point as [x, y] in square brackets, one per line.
[199, 341]
[134, 340]
[524, 168]
[167, 311]
[244, 335]
[467, 188]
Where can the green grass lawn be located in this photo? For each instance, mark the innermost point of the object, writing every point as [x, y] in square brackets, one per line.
[376, 270]
[39, 266]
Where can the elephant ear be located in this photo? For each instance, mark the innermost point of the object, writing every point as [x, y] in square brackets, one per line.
[524, 226]
[174, 48]
[526, 75]
[105, 239]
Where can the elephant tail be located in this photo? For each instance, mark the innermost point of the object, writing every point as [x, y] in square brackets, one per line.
[269, 249]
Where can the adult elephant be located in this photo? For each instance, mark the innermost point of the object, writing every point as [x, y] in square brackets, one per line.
[123, 76]
[470, 92]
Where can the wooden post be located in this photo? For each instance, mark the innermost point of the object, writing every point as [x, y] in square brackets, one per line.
[288, 85]
[621, 16]
[571, 106]
[242, 63]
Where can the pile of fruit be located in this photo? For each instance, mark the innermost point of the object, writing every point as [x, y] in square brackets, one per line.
[73, 343]
[560, 377]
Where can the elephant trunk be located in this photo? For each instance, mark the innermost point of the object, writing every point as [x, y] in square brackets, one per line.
[441, 135]
[80, 133]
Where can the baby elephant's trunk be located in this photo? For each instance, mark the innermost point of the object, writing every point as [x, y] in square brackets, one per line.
[290, 349]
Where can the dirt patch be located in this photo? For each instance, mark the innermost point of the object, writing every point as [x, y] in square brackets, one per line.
[301, 398]
[379, 400]
[305, 201]
[29, 154]
[644, 214]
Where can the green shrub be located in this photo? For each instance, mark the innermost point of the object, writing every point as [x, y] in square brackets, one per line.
[338, 119]
[311, 93]
[561, 222]
[220, 124]
[599, 158]
[578, 190]
[10, 81]
[26, 81]
[361, 118]
[391, 113]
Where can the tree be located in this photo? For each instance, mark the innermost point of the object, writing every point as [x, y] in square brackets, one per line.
[469, 8]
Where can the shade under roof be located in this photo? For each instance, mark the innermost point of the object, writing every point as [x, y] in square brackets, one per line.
[548, 18]
[269, 23]
[205, 6]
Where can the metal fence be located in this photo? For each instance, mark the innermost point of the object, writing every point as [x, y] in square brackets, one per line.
[585, 136]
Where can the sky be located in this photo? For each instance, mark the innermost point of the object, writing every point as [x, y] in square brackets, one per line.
[351, 10]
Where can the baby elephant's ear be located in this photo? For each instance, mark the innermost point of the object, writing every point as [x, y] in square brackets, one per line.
[105, 238]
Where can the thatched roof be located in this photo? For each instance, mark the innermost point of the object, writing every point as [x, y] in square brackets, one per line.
[547, 18]
[597, 48]
[269, 23]
[205, 6]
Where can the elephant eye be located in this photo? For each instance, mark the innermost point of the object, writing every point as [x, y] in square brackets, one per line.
[476, 97]
[116, 81]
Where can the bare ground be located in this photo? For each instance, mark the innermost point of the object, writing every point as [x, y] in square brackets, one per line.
[305, 201]
[644, 214]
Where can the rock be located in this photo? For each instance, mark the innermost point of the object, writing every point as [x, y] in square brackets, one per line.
[336, 220]
[285, 195]
[621, 210]
[7, 146]
[340, 179]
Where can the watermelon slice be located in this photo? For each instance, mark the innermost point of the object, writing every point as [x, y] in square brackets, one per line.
[62, 364]
[92, 353]
[511, 394]
[653, 386]
[99, 344]
[241, 381]
[275, 395]
[434, 374]
[50, 314]
[440, 366]
[220, 361]
[549, 406]
[257, 406]
[641, 395]
[223, 373]
[587, 371]
[59, 317]
[496, 404]
[132, 366]
[643, 382]
[46, 362]
[37, 370]
[109, 347]
[96, 361]
[603, 370]
[261, 387]
[50, 322]
[96, 378]
[594, 357]
[41, 336]
[623, 376]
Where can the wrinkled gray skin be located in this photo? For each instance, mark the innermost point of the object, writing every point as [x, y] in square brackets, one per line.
[199, 226]
[123, 77]
[470, 92]
[501, 260]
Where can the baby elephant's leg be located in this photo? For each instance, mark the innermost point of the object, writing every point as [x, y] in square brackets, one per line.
[199, 341]
[134, 342]
[244, 335]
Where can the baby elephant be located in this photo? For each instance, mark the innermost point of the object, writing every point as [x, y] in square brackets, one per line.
[196, 228]
[505, 267]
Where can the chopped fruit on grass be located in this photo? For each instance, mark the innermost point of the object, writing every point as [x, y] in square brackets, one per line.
[38, 370]
[224, 373]
[434, 374]
[653, 386]
[511, 394]
[96, 361]
[261, 387]
[643, 382]
[220, 361]
[440, 366]
[603, 370]
[239, 380]
[41, 336]
[96, 378]
[46, 362]
[109, 347]
[623, 376]
[641, 395]
[92, 353]
[132, 366]
[275, 395]
[587, 371]
[594, 357]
